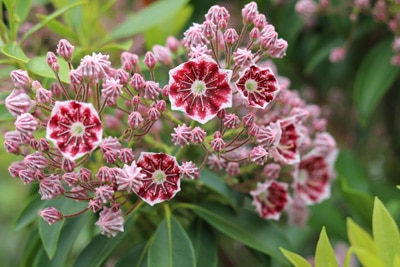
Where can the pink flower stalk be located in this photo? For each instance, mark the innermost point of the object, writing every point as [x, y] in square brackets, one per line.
[162, 177]
[270, 199]
[65, 49]
[286, 151]
[51, 215]
[111, 221]
[18, 102]
[74, 128]
[312, 179]
[258, 86]
[129, 178]
[200, 89]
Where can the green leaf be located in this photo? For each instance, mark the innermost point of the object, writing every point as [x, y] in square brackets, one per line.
[4, 114]
[204, 243]
[30, 212]
[97, 251]
[215, 183]
[134, 257]
[363, 245]
[295, 259]
[59, 28]
[124, 46]
[49, 18]
[323, 48]
[385, 232]
[244, 226]
[374, 77]
[147, 18]
[31, 249]
[347, 259]
[50, 233]
[13, 51]
[324, 254]
[171, 246]
[38, 66]
[22, 9]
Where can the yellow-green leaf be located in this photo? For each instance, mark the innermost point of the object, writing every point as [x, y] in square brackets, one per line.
[13, 51]
[295, 259]
[324, 254]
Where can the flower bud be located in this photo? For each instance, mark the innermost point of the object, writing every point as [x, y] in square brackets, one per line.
[65, 49]
[150, 60]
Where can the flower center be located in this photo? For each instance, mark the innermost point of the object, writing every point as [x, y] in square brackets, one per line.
[198, 88]
[77, 129]
[302, 176]
[159, 176]
[251, 85]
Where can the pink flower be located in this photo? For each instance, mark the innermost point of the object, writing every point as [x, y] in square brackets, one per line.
[200, 89]
[182, 135]
[129, 178]
[95, 67]
[189, 170]
[74, 128]
[162, 177]
[270, 199]
[111, 221]
[258, 86]
[312, 179]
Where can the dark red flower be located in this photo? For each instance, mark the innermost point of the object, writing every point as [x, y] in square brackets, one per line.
[200, 88]
[162, 177]
[74, 128]
[258, 86]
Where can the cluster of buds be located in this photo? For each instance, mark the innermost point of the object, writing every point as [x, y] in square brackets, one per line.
[101, 138]
[381, 11]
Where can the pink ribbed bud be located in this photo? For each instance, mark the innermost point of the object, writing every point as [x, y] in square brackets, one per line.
[51, 215]
[216, 13]
[75, 76]
[18, 102]
[254, 34]
[26, 123]
[104, 174]
[110, 144]
[272, 170]
[161, 105]
[122, 76]
[21, 79]
[111, 221]
[249, 12]
[248, 119]
[162, 54]
[67, 165]
[268, 37]
[260, 21]
[95, 204]
[43, 96]
[259, 155]
[112, 88]
[150, 60]
[243, 57]
[222, 25]
[11, 147]
[253, 129]
[16, 167]
[135, 119]
[172, 44]
[270, 135]
[165, 91]
[56, 89]
[65, 49]
[217, 143]
[43, 145]
[50, 187]
[198, 135]
[153, 113]
[13, 136]
[51, 58]
[126, 155]
[209, 29]
[36, 161]
[216, 163]
[55, 67]
[129, 61]
[231, 36]
[221, 114]
[105, 193]
[182, 135]
[233, 168]
[70, 178]
[151, 90]
[231, 121]
[27, 176]
[135, 100]
[110, 156]
[85, 175]
[137, 81]
[189, 170]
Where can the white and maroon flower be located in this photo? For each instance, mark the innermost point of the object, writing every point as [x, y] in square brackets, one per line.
[312, 179]
[200, 89]
[258, 86]
[74, 128]
[287, 152]
[162, 177]
[270, 199]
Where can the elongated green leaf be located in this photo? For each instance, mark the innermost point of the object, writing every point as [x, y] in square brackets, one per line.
[385, 232]
[60, 29]
[204, 243]
[324, 254]
[51, 17]
[215, 183]
[30, 212]
[31, 249]
[347, 260]
[147, 18]
[362, 244]
[98, 250]
[4, 114]
[118, 46]
[171, 246]
[39, 66]
[13, 51]
[22, 9]
[50, 233]
[374, 77]
[134, 257]
[246, 227]
[295, 259]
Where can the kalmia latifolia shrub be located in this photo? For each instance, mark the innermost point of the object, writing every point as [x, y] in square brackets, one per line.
[115, 137]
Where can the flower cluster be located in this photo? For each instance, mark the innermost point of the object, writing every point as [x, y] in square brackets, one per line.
[100, 138]
[382, 11]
